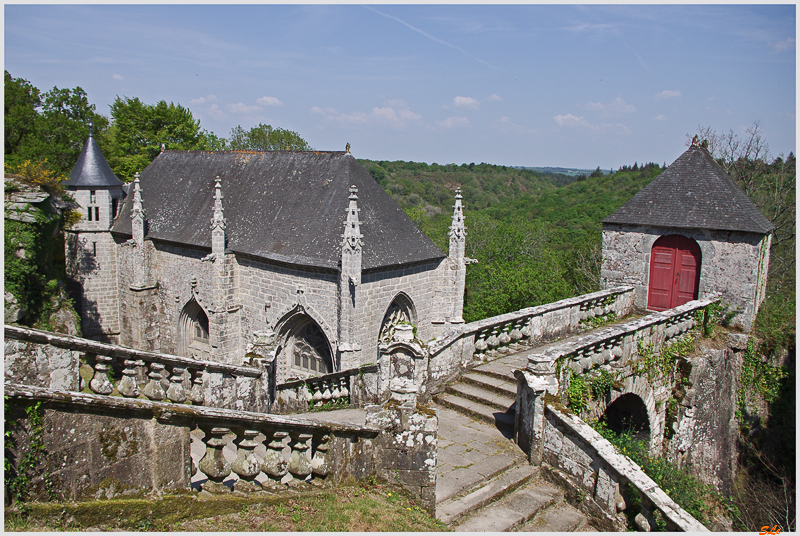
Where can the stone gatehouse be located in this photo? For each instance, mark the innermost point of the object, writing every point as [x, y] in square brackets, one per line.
[690, 234]
[293, 256]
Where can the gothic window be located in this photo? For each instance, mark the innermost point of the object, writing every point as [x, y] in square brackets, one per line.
[400, 311]
[92, 196]
[309, 352]
[193, 324]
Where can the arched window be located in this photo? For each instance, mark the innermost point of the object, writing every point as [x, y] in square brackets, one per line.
[307, 349]
[400, 311]
[674, 272]
[193, 329]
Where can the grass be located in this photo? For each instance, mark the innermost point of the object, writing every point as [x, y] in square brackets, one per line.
[353, 508]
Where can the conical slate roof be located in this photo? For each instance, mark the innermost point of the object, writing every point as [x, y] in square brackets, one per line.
[91, 169]
[696, 193]
[287, 206]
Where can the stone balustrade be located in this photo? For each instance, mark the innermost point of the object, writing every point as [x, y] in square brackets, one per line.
[349, 388]
[486, 339]
[41, 358]
[582, 459]
[603, 347]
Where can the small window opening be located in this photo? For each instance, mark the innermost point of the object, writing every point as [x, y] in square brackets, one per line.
[114, 207]
[92, 196]
[89, 215]
[94, 249]
[96, 213]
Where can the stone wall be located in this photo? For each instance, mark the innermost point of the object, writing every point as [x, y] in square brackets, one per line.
[734, 265]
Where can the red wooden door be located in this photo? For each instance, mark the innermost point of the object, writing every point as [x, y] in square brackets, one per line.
[674, 272]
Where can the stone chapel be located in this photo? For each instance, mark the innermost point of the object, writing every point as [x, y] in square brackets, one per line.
[690, 234]
[298, 256]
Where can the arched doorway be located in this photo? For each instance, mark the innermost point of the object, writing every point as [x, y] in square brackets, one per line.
[305, 350]
[674, 272]
[628, 414]
[193, 329]
[400, 311]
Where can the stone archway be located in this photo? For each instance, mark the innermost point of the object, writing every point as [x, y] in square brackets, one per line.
[193, 330]
[628, 412]
[304, 350]
[400, 311]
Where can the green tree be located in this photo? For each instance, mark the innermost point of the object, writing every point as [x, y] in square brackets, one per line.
[21, 99]
[138, 131]
[266, 138]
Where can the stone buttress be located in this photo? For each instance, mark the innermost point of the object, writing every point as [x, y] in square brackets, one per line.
[458, 264]
[349, 282]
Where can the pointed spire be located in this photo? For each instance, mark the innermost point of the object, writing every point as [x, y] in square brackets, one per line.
[91, 128]
[137, 212]
[218, 219]
[458, 231]
[352, 231]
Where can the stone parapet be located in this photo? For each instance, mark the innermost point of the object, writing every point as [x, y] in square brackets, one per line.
[350, 388]
[130, 373]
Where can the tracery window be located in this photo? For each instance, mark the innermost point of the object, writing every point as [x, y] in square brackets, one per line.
[309, 350]
[400, 311]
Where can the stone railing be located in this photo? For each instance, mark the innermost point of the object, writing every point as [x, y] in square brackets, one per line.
[97, 445]
[479, 341]
[41, 358]
[582, 459]
[349, 388]
[619, 342]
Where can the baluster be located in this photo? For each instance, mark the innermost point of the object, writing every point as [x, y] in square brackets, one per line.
[214, 465]
[127, 385]
[154, 390]
[245, 465]
[516, 331]
[99, 383]
[343, 390]
[480, 343]
[616, 349]
[335, 392]
[319, 462]
[176, 392]
[504, 338]
[299, 466]
[493, 341]
[274, 465]
[141, 373]
[326, 391]
[196, 395]
[317, 397]
[305, 394]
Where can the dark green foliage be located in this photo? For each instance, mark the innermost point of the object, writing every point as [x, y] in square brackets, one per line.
[265, 138]
[22, 462]
[577, 393]
[138, 130]
[20, 101]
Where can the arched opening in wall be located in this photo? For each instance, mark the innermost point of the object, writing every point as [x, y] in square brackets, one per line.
[305, 351]
[674, 272]
[400, 311]
[628, 414]
[193, 331]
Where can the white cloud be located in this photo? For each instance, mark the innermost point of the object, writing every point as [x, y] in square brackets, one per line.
[242, 108]
[466, 102]
[116, 76]
[618, 105]
[494, 97]
[269, 101]
[668, 94]
[203, 100]
[571, 120]
[786, 44]
[394, 113]
[454, 122]
[660, 117]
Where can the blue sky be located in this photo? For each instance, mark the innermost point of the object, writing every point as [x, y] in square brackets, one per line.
[532, 85]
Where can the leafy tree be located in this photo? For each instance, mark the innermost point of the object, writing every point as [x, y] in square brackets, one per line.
[138, 131]
[266, 138]
[20, 101]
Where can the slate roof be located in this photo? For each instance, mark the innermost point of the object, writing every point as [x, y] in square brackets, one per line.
[694, 192]
[91, 169]
[287, 206]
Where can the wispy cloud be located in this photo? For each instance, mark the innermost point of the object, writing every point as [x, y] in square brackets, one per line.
[581, 123]
[466, 102]
[394, 114]
[454, 122]
[116, 76]
[660, 117]
[437, 40]
[203, 100]
[668, 94]
[494, 97]
[269, 101]
[617, 106]
[786, 44]
[242, 108]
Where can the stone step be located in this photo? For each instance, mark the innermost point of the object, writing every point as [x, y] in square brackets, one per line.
[454, 509]
[490, 383]
[513, 510]
[561, 517]
[498, 371]
[480, 395]
[476, 410]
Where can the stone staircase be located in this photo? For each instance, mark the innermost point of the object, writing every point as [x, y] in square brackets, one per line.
[507, 496]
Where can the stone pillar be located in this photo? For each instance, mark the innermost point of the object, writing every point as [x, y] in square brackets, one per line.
[217, 318]
[532, 387]
[349, 283]
[458, 237]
